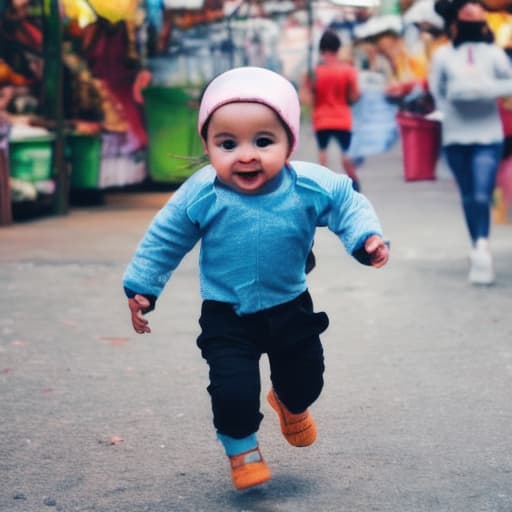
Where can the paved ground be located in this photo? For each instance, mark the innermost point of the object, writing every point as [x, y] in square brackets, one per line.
[416, 411]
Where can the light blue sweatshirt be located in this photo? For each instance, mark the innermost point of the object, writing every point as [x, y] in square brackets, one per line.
[253, 247]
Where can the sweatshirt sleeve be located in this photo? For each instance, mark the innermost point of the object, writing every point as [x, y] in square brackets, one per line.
[170, 235]
[352, 217]
[345, 212]
[503, 73]
[502, 64]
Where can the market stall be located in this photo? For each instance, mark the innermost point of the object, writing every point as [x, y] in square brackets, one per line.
[103, 55]
[71, 94]
[22, 50]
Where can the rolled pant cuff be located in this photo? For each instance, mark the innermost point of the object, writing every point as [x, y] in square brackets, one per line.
[234, 446]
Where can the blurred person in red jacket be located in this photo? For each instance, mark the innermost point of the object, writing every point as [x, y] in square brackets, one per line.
[330, 90]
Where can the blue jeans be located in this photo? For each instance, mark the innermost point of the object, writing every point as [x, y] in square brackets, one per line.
[475, 167]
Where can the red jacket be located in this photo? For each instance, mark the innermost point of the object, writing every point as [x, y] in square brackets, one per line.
[331, 106]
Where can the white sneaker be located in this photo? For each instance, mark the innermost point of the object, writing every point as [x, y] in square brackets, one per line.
[481, 269]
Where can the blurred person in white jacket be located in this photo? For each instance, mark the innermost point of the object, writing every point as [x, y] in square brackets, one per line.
[466, 77]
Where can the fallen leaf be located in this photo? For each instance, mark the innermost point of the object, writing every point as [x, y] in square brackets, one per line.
[114, 340]
[67, 322]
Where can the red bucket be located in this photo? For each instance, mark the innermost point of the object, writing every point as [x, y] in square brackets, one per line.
[506, 116]
[421, 144]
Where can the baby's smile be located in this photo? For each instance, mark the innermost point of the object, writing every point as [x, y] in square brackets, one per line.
[247, 175]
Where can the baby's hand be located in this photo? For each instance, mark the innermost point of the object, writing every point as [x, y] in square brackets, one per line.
[138, 305]
[378, 251]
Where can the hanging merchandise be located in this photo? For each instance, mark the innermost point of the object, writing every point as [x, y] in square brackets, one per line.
[497, 5]
[79, 10]
[115, 10]
[8, 76]
[501, 25]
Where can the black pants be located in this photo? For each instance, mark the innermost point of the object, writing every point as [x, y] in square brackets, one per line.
[232, 346]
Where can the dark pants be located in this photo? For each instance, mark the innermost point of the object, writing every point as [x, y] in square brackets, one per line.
[342, 137]
[232, 346]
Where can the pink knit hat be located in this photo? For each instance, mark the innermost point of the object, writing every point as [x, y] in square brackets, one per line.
[253, 84]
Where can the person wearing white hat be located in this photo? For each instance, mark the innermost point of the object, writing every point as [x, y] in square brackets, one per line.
[255, 213]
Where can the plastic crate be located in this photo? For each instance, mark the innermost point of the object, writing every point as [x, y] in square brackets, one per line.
[31, 159]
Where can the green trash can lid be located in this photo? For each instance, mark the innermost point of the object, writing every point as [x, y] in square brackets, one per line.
[39, 138]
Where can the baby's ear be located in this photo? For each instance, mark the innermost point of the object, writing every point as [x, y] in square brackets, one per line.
[205, 147]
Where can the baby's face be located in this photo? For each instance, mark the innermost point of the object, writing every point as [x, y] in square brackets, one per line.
[247, 145]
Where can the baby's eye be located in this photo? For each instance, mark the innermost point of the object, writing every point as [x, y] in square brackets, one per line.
[228, 144]
[263, 142]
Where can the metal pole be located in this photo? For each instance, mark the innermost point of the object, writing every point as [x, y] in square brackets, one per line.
[52, 98]
[5, 188]
[233, 13]
[310, 36]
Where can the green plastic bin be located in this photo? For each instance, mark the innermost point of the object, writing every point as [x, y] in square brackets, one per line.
[84, 153]
[31, 159]
[171, 120]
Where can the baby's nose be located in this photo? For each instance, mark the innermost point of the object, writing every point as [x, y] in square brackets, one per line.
[246, 153]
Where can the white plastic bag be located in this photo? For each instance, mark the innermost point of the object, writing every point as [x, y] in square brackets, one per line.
[374, 126]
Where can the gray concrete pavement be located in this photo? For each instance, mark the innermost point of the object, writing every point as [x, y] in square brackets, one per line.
[415, 415]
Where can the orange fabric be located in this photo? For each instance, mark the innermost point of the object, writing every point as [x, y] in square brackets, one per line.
[8, 76]
[411, 67]
[331, 109]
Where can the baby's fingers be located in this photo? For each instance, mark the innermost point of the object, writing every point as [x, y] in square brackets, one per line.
[140, 324]
[380, 256]
[373, 243]
[136, 305]
[142, 301]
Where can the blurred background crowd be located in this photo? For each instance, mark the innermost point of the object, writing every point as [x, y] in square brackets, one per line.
[97, 94]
